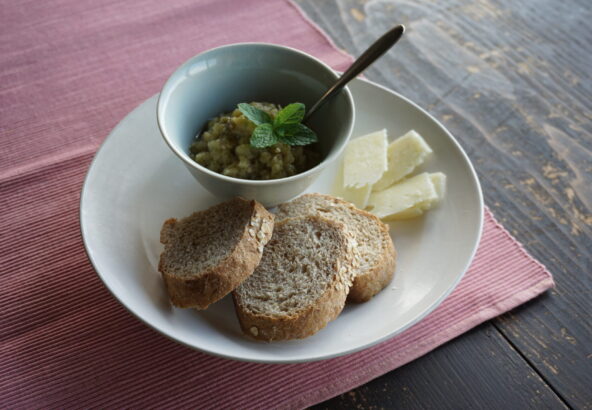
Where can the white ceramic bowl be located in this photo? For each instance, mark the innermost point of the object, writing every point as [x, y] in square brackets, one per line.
[217, 80]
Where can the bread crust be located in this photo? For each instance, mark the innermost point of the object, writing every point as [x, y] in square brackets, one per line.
[203, 288]
[369, 283]
[313, 317]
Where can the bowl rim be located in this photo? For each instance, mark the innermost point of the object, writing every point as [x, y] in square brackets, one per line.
[183, 156]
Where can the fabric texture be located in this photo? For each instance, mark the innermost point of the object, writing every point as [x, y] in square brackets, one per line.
[70, 70]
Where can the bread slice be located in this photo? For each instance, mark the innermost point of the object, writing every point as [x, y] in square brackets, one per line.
[208, 254]
[301, 283]
[377, 252]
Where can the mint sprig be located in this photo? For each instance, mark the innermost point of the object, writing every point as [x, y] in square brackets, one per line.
[290, 114]
[296, 134]
[286, 127]
[263, 136]
[254, 114]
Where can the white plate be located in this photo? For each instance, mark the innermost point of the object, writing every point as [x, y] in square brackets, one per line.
[135, 182]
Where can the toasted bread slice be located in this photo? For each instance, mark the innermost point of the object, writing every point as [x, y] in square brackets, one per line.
[208, 254]
[301, 283]
[377, 252]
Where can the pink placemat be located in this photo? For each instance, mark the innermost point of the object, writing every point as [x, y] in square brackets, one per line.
[70, 70]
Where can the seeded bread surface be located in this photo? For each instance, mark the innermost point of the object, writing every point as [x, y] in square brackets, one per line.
[375, 246]
[301, 283]
[209, 253]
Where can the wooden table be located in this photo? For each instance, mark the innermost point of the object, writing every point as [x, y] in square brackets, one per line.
[511, 80]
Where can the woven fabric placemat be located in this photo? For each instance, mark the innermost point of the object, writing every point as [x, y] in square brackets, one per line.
[71, 69]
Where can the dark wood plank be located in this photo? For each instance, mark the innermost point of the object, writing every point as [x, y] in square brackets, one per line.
[511, 80]
[478, 370]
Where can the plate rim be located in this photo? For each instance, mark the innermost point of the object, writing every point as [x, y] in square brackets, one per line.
[345, 352]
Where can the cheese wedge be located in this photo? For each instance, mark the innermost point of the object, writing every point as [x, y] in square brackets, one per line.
[357, 196]
[439, 181]
[365, 160]
[406, 199]
[404, 155]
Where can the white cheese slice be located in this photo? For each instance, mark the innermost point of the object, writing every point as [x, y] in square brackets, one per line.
[364, 160]
[439, 181]
[405, 199]
[358, 196]
[404, 155]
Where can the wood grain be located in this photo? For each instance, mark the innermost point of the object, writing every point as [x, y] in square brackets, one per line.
[478, 370]
[511, 80]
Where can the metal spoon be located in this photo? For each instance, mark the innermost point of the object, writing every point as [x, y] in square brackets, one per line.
[376, 50]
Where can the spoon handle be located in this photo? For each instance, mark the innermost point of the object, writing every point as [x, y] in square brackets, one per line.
[373, 52]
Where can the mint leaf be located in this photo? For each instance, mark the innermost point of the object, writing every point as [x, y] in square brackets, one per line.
[254, 114]
[290, 114]
[286, 127]
[263, 136]
[296, 134]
